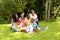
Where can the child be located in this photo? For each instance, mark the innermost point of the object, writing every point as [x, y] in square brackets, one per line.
[27, 20]
[19, 25]
[34, 25]
[14, 28]
[23, 21]
[29, 27]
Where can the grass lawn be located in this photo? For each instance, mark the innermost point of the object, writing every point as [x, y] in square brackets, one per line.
[53, 33]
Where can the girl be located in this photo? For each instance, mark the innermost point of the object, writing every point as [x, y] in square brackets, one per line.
[27, 20]
[29, 27]
[14, 20]
[17, 25]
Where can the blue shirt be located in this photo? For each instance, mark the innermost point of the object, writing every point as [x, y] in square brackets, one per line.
[34, 25]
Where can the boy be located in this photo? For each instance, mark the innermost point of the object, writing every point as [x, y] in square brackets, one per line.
[34, 25]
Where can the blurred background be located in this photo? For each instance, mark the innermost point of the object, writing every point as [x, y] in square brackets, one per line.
[47, 10]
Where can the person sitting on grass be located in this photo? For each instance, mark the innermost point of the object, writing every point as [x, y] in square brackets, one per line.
[14, 19]
[36, 28]
[29, 28]
[34, 16]
[18, 26]
[34, 25]
[23, 21]
[14, 28]
[27, 20]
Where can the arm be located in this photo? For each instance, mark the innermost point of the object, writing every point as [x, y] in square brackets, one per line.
[36, 17]
[12, 22]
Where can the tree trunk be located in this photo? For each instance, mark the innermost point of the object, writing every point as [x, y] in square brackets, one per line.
[46, 10]
[49, 7]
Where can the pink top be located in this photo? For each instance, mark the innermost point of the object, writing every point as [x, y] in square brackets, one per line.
[23, 23]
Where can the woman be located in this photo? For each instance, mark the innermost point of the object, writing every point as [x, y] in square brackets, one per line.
[14, 20]
[34, 16]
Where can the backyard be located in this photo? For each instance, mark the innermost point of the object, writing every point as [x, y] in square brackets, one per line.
[19, 14]
[53, 32]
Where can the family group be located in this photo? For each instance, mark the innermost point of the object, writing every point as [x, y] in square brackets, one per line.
[28, 24]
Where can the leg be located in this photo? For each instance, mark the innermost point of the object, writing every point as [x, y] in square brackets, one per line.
[29, 29]
[37, 22]
[14, 28]
[46, 27]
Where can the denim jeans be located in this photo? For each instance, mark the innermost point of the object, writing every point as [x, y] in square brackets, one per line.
[14, 28]
[37, 21]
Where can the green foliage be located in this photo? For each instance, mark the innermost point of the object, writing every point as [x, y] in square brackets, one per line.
[19, 8]
[8, 7]
[39, 6]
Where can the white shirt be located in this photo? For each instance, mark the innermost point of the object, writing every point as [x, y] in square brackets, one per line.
[34, 17]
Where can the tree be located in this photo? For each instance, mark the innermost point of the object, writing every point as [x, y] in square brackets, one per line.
[8, 7]
[48, 9]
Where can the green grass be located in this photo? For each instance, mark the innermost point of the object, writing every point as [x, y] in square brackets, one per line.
[53, 33]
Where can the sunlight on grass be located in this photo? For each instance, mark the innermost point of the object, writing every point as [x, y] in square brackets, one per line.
[0, 33]
[8, 38]
[58, 22]
[58, 19]
[58, 34]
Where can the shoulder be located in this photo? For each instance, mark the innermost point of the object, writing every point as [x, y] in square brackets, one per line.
[29, 13]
